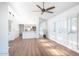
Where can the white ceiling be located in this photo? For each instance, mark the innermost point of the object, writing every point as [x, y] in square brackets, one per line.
[24, 9]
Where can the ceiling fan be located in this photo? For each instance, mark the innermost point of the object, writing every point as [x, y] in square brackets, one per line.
[43, 9]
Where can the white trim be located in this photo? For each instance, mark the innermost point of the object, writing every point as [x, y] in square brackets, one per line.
[64, 45]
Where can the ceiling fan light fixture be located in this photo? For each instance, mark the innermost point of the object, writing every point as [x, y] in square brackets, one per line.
[45, 10]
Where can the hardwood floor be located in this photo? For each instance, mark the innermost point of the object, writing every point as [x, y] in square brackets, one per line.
[38, 47]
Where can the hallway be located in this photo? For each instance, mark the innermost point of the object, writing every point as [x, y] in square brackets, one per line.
[38, 47]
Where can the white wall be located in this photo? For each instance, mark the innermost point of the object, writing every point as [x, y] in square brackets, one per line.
[3, 29]
[63, 37]
[37, 26]
[14, 24]
[21, 20]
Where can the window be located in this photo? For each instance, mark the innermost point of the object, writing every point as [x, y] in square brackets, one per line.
[54, 27]
[60, 26]
[72, 25]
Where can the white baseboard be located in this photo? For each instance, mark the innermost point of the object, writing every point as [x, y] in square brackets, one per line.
[64, 45]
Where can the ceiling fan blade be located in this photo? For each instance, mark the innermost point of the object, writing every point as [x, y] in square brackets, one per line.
[49, 11]
[39, 7]
[50, 8]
